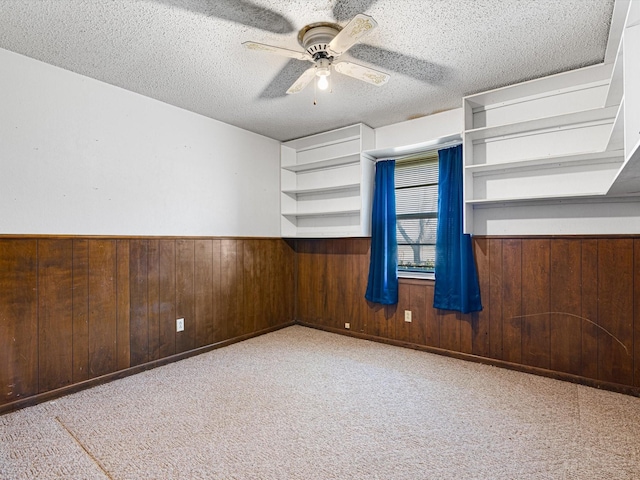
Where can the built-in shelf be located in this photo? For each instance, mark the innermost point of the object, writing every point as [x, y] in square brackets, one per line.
[324, 139]
[327, 184]
[355, 187]
[586, 158]
[616, 137]
[556, 121]
[616, 85]
[322, 164]
[325, 213]
[539, 87]
[536, 199]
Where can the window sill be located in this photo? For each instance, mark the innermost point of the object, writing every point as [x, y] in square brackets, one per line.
[416, 276]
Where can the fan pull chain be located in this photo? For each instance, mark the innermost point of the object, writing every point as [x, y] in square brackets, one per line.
[315, 91]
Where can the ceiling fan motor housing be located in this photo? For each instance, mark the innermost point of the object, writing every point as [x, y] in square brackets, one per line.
[315, 39]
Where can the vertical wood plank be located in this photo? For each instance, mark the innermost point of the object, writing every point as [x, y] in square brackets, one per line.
[251, 282]
[288, 281]
[167, 298]
[589, 274]
[418, 304]
[218, 330]
[449, 329]
[344, 277]
[303, 300]
[512, 300]
[139, 319]
[123, 312]
[80, 310]
[352, 306]
[153, 297]
[535, 302]
[229, 287]
[615, 310]
[319, 282]
[18, 319]
[432, 323]
[495, 295]
[466, 331]
[565, 301]
[357, 263]
[185, 294]
[240, 306]
[331, 306]
[55, 314]
[102, 307]
[378, 323]
[402, 329]
[204, 292]
[636, 311]
[480, 321]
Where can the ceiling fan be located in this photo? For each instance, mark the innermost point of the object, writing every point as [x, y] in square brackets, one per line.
[323, 43]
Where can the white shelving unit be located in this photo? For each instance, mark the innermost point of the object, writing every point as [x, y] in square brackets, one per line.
[327, 184]
[556, 139]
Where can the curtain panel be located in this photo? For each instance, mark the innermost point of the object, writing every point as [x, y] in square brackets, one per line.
[457, 286]
[382, 285]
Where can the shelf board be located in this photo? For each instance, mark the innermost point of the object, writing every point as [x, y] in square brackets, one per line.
[584, 116]
[616, 87]
[540, 87]
[562, 160]
[329, 162]
[616, 137]
[334, 213]
[324, 139]
[566, 198]
[320, 190]
[627, 181]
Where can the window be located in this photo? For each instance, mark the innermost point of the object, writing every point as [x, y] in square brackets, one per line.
[416, 185]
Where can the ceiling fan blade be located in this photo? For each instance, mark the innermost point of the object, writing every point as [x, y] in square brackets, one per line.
[278, 85]
[357, 28]
[302, 81]
[261, 47]
[366, 74]
[243, 12]
[418, 68]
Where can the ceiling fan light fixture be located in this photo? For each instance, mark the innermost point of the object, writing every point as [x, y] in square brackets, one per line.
[323, 83]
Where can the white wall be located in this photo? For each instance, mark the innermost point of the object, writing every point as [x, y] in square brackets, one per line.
[78, 156]
[420, 130]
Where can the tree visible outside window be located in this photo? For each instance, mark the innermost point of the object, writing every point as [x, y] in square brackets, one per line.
[416, 185]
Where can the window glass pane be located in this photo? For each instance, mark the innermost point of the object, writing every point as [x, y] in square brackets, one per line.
[416, 258]
[417, 200]
[417, 195]
[416, 173]
[416, 230]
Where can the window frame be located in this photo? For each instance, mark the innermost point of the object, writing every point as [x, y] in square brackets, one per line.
[430, 156]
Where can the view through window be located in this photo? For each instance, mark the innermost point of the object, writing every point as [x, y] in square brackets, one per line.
[416, 185]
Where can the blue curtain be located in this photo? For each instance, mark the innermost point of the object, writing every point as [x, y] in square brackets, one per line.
[382, 286]
[457, 285]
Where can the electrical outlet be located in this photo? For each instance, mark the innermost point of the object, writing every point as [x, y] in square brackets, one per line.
[347, 326]
[407, 315]
[180, 325]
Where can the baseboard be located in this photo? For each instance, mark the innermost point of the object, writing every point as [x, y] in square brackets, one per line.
[76, 387]
[567, 377]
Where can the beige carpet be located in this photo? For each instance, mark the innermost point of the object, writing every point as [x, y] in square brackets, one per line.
[303, 404]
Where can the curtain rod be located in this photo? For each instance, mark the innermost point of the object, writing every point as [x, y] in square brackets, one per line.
[422, 153]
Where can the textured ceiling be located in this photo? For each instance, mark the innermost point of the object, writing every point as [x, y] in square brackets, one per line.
[188, 53]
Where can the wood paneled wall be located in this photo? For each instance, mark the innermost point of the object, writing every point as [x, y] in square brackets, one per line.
[564, 305]
[73, 309]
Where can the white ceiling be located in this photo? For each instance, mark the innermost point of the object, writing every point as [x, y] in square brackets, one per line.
[188, 53]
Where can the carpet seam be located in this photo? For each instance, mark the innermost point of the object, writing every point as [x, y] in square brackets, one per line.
[86, 450]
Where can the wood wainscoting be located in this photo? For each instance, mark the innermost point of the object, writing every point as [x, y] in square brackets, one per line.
[75, 311]
[566, 307]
